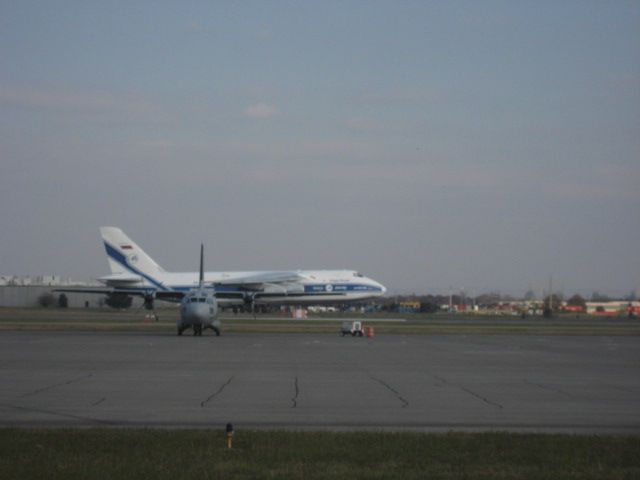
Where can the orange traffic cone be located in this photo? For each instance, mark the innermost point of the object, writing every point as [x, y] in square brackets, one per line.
[370, 332]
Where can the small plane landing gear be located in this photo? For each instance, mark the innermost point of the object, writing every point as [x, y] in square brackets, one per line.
[198, 329]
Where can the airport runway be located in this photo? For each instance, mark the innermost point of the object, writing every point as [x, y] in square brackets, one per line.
[405, 382]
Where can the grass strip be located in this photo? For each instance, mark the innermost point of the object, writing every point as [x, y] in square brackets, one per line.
[158, 454]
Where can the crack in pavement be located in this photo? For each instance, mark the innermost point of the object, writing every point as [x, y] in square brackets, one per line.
[294, 400]
[546, 387]
[61, 384]
[213, 396]
[444, 381]
[480, 397]
[98, 402]
[405, 403]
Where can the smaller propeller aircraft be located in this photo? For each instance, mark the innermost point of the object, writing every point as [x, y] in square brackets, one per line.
[199, 308]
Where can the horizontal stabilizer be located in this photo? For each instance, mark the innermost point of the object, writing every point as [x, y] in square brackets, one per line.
[120, 280]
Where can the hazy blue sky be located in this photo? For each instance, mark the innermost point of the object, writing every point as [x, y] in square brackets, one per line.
[479, 145]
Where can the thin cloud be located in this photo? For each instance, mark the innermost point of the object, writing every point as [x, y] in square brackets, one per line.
[52, 98]
[161, 144]
[260, 110]
[68, 100]
[264, 34]
[361, 124]
[404, 95]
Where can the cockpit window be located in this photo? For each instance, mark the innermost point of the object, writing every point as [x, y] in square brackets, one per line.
[202, 299]
[193, 300]
[357, 274]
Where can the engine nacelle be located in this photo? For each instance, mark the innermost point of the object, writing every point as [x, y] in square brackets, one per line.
[148, 301]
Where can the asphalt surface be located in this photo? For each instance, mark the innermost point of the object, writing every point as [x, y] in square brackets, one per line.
[582, 384]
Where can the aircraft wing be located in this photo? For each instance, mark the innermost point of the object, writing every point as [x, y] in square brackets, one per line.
[167, 296]
[260, 280]
[298, 294]
[96, 290]
[122, 280]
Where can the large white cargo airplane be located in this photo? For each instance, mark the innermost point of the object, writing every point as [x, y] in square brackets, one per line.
[134, 272]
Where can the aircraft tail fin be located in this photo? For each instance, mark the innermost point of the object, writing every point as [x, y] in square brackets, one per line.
[201, 280]
[125, 256]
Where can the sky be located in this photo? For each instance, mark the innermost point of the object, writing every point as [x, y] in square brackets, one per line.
[434, 146]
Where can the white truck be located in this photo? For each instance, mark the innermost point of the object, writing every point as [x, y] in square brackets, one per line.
[352, 328]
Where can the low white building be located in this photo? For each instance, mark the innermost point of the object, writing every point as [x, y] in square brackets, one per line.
[25, 291]
[613, 307]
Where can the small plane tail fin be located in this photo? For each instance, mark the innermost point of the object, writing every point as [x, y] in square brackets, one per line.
[124, 255]
[201, 282]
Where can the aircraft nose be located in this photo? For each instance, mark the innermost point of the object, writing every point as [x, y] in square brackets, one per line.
[382, 288]
[195, 311]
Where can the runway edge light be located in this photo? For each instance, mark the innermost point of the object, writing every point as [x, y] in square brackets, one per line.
[229, 435]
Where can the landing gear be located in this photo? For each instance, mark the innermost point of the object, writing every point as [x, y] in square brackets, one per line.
[198, 329]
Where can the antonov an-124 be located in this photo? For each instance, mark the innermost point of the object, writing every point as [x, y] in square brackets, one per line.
[134, 272]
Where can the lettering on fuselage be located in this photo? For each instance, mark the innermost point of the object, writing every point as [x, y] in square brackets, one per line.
[339, 288]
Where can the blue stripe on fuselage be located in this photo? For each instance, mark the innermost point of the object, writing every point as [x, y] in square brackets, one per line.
[319, 289]
[340, 288]
[122, 260]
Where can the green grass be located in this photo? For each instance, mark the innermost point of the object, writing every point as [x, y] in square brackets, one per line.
[202, 454]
